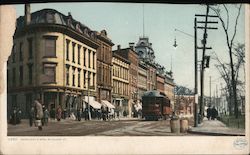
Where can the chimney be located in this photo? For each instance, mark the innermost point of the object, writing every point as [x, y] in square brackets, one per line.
[27, 14]
[131, 45]
[118, 47]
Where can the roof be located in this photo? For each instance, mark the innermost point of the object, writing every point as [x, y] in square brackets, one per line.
[51, 16]
[152, 93]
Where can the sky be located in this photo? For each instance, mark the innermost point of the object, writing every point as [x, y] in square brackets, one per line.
[124, 23]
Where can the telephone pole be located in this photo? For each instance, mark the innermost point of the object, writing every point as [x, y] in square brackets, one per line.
[195, 75]
[205, 59]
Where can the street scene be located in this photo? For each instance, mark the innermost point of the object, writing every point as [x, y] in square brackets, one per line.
[103, 70]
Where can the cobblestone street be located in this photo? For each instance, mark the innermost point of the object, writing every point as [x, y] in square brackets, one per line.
[95, 128]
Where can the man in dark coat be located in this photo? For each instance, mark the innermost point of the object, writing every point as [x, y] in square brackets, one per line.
[32, 116]
[209, 113]
[214, 113]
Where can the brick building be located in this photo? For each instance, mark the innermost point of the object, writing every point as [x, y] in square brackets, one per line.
[131, 55]
[120, 92]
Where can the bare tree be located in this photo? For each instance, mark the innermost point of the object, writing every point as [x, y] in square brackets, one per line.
[229, 41]
[225, 72]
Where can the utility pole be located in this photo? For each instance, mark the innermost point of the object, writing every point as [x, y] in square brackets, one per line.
[202, 65]
[210, 91]
[204, 57]
[195, 75]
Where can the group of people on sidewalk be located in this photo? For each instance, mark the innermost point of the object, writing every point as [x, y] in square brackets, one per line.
[39, 115]
[212, 113]
[15, 117]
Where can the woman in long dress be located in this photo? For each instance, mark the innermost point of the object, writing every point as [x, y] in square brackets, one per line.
[38, 113]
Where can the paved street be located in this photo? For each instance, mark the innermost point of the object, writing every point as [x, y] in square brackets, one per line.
[96, 128]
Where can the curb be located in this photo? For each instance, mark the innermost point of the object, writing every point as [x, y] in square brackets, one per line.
[215, 133]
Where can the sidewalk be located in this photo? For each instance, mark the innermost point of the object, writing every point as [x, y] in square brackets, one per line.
[216, 128]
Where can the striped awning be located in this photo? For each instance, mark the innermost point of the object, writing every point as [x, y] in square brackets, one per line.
[108, 104]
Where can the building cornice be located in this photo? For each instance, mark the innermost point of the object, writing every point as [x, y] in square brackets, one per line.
[48, 27]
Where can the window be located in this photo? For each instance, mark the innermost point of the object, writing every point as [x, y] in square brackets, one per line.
[14, 53]
[84, 78]
[73, 52]
[73, 77]
[30, 48]
[30, 72]
[89, 78]
[50, 73]
[21, 52]
[93, 79]
[93, 60]
[21, 75]
[89, 58]
[84, 56]
[67, 75]
[79, 77]
[67, 49]
[50, 18]
[50, 46]
[79, 54]
[14, 76]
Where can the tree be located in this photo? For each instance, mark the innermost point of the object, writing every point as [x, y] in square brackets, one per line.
[225, 72]
[229, 41]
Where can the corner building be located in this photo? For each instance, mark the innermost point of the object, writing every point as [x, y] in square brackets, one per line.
[53, 59]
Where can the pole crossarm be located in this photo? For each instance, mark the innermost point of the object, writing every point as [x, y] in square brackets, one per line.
[210, 22]
[213, 16]
[207, 48]
[212, 28]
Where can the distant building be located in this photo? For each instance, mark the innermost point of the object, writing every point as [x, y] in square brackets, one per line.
[146, 54]
[104, 67]
[131, 55]
[169, 86]
[185, 104]
[145, 51]
[53, 59]
[120, 91]
[142, 78]
[160, 81]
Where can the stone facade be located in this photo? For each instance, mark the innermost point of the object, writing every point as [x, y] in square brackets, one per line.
[52, 59]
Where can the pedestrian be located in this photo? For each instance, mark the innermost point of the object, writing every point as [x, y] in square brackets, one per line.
[38, 114]
[103, 113]
[46, 117]
[32, 116]
[118, 115]
[14, 116]
[209, 113]
[78, 113]
[86, 114]
[214, 113]
[124, 113]
[59, 113]
[19, 116]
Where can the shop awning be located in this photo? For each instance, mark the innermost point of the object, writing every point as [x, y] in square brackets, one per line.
[108, 104]
[94, 104]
